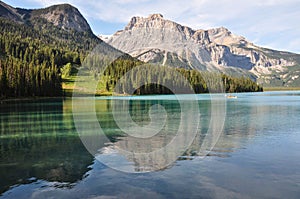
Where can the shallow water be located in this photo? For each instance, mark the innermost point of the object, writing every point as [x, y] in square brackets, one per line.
[256, 154]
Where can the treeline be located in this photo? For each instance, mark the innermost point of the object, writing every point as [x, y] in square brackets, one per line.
[20, 79]
[126, 75]
[31, 59]
[215, 82]
[135, 78]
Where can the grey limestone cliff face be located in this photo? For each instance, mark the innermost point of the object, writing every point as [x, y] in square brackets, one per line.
[155, 39]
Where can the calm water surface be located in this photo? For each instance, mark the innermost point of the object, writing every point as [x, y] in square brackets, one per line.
[257, 154]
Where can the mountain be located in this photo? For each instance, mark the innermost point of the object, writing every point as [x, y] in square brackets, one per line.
[63, 16]
[36, 46]
[6, 11]
[42, 50]
[155, 39]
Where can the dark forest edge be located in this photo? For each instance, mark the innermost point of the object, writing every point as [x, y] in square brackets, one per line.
[36, 58]
[135, 79]
[131, 77]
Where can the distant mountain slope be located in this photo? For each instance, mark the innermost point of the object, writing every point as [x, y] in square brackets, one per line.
[155, 39]
[63, 16]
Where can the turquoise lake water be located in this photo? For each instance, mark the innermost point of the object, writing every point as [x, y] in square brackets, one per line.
[247, 147]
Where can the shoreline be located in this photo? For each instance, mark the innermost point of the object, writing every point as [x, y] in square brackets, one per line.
[281, 88]
[29, 99]
[34, 99]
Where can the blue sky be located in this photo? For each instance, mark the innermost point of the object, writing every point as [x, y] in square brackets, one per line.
[269, 23]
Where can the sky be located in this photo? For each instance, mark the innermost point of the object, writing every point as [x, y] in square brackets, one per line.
[269, 23]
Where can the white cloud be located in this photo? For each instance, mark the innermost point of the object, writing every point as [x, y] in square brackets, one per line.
[254, 19]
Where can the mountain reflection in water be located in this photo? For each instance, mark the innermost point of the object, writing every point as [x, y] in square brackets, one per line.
[42, 154]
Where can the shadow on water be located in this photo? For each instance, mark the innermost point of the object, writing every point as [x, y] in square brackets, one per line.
[38, 142]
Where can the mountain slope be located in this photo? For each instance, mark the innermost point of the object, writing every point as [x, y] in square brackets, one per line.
[35, 47]
[155, 39]
[8, 12]
[62, 16]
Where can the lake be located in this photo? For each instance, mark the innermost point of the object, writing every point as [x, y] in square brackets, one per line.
[208, 147]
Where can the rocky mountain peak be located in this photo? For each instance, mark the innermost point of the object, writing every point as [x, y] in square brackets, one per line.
[223, 36]
[155, 16]
[154, 21]
[64, 16]
[62, 7]
[158, 40]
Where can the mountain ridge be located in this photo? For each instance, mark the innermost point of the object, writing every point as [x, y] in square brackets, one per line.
[158, 40]
[36, 52]
[64, 16]
[8, 12]
[155, 39]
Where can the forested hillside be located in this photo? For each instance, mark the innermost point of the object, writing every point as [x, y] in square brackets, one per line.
[31, 59]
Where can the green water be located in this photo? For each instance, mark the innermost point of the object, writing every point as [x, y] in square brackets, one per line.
[256, 156]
